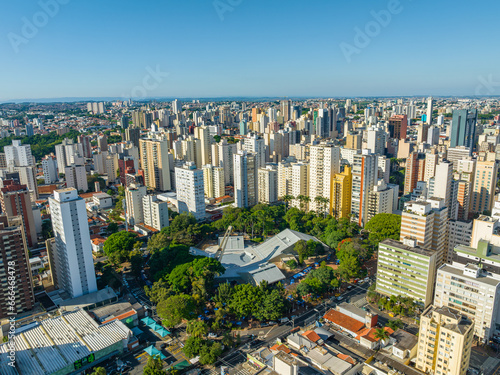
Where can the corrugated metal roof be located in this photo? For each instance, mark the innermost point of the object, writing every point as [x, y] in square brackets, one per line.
[55, 343]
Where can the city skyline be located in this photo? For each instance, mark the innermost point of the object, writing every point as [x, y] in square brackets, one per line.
[214, 50]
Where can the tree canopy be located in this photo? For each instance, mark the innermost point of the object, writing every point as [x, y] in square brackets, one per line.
[383, 226]
[175, 309]
[118, 246]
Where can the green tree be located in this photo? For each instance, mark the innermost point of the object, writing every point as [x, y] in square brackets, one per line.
[118, 246]
[154, 366]
[301, 249]
[381, 334]
[192, 346]
[197, 328]
[158, 292]
[158, 241]
[112, 228]
[395, 324]
[224, 293]
[272, 306]
[210, 353]
[136, 261]
[383, 226]
[245, 299]
[99, 371]
[175, 309]
[287, 199]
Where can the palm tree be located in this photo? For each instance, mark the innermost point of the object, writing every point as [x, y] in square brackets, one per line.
[381, 334]
[307, 200]
[301, 199]
[325, 202]
[318, 200]
[287, 199]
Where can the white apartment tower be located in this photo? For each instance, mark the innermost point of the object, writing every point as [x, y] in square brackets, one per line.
[155, 212]
[133, 199]
[73, 260]
[49, 167]
[324, 163]
[18, 155]
[190, 190]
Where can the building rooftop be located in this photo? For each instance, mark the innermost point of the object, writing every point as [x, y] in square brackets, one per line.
[53, 344]
[485, 278]
[402, 246]
[404, 340]
[344, 321]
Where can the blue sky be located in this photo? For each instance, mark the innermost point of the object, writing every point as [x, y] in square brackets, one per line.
[260, 48]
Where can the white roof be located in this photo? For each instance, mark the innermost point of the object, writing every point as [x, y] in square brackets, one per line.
[53, 344]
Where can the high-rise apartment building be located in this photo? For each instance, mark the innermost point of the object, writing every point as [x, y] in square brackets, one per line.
[444, 341]
[134, 204]
[203, 134]
[73, 260]
[474, 292]
[214, 181]
[189, 186]
[429, 111]
[133, 135]
[67, 153]
[463, 128]
[155, 163]
[76, 177]
[440, 186]
[245, 179]
[49, 167]
[380, 200]
[376, 140]
[354, 141]
[223, 153]
[300, 182]
[483, 188]
[155, 212]
[14, 261]
[267, 185]
[16, 202]
[426, 222]
[341, 192]
[405, 269]
[415, 169]
[324, 163]
[364, 178]
[397, 127]
[18, 155]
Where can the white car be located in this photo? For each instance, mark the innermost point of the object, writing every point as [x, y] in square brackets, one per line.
[212, 335]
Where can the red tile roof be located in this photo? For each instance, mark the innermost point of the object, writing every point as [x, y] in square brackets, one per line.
[281, 347]
[344, 321]
[369, 334]
[346, 358]
[311, 336]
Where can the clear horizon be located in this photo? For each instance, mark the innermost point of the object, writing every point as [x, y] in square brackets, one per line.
[56, 49]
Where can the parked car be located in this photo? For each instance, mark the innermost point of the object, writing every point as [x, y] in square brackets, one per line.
[212, 335]
[284, 320]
